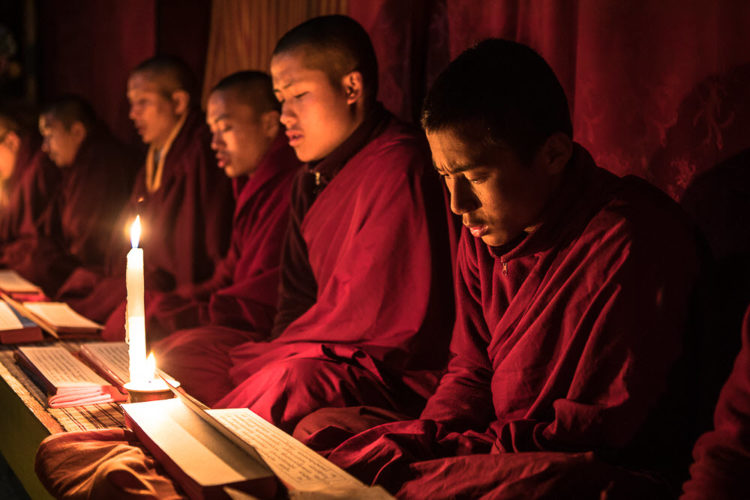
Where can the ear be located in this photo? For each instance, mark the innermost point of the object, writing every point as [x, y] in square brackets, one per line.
[269, 122]
[353, 86]
[78, 130]
[556, 152]
[13, 142]
[180, 101]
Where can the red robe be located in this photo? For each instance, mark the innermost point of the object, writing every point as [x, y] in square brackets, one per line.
[26, 194]
[242, 292]
[376, 330]
[722, 456]
[563, 343]
[187, 223]
[85, 208]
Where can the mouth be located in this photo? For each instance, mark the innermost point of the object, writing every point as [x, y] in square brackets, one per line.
[477, 230]
[294, 136]
[222, 161]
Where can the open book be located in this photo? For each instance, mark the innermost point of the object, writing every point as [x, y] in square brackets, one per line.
[60, 320]
[12, 282]
[64, 378]
[16, 328]
[206, 451]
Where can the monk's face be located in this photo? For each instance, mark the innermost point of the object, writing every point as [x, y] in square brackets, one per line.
[9, 144]
[497, 196]
[317, 114]
[154, 112]
[241, 136]
[61, 144]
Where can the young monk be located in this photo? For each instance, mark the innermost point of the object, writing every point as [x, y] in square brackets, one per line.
[27, 182]
[573, 289]
[365, 306]
[97, 176]
[184, 200]
[253, 151]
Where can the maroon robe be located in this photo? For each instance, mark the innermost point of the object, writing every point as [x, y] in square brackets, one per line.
[187, 223]
[92, 194]
[242, 292]
[370, 324]
[722, 456]
[26, 200]
[565, 342]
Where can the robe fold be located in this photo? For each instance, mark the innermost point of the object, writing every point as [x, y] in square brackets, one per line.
[186, 227]
[92, 193]
[25, 197]
[722, 456]
[573, 340]
[242, 292]
[107, 463]
[374, 236]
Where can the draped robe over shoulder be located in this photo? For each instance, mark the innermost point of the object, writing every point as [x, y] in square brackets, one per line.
[242, 291]
[371, 321]
[186, 227]
[84, 212]
[565, 343]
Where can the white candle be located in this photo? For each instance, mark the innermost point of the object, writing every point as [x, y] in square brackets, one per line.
[136, 316]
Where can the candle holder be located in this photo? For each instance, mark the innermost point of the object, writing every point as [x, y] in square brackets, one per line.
[151, 390]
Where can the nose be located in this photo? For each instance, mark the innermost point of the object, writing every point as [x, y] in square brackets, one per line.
[463, 199]
[216, 141]
[132, 113]
[287, 115]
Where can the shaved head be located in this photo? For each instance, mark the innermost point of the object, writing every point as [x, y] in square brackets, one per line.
[253, 88]
[169, 73]
[70, 109]
[335, 45]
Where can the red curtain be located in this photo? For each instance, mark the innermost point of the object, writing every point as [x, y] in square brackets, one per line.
[657, 89]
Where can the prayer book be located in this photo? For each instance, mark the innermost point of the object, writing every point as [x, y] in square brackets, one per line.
[60, 320]
[111, 360]
[214, 452]
[16, 328]
[64, 378]
[12, 282]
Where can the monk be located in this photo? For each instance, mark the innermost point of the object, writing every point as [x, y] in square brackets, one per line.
[96, 178]
[573, 291]
[27, 182]
[184, 200]
[253, 151]
[365, 301]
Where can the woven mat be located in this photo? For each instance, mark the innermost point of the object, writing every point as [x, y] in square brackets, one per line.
[78, 418]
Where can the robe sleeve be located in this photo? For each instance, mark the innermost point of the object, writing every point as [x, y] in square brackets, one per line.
[463, 398]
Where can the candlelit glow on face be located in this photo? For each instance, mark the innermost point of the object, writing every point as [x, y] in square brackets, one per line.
[135, 232]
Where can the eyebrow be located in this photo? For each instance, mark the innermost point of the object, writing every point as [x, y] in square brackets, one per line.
[222, 116]
[455, 169]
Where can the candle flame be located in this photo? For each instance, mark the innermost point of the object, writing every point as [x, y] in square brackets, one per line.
[151, 366]
[135, 232]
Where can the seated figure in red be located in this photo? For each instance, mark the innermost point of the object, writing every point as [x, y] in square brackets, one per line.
[365, 303]
[28, 181]
[96, 178]
[184, 201]
[253, 151]
[573, 293]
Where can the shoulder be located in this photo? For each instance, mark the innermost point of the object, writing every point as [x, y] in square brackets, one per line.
[400, 150]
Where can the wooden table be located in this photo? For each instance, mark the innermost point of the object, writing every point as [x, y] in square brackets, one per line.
[25, 421]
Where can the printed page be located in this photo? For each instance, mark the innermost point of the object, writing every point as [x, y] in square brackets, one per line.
[61, 368]
[293, 462]
[110, 356]
[11, 281]
[8, 319]
[60, 315]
